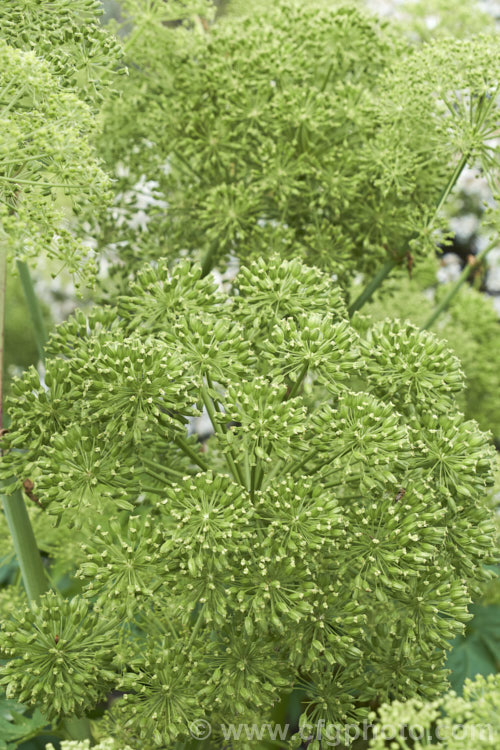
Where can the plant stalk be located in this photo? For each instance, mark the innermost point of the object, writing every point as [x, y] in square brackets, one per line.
[156, 466]
[372, 286]
[28, 556]
[443, 305]
[34, 308]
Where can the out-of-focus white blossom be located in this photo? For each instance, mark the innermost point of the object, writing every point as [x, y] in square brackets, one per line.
[493, 275]
[472, 182]
[465, 225]
[450, 268]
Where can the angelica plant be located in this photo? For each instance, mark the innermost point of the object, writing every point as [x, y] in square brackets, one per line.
[316, 130]
[329, 535]
[450, 722]
[326, 539]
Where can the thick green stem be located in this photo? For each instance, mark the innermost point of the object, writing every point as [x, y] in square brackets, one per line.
[443, 305]
[451, 183]
[28, 556]
[157, 467]
[372, 286]
[34, 308]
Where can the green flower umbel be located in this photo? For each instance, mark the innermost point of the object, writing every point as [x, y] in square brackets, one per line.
[60, 655]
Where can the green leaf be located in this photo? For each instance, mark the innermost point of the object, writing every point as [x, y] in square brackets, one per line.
[478, 651]
[16, 726]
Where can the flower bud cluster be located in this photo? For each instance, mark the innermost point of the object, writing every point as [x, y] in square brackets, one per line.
[59, 655]
[326, 537]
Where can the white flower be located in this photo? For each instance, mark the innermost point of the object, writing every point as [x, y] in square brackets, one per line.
[450, 268]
